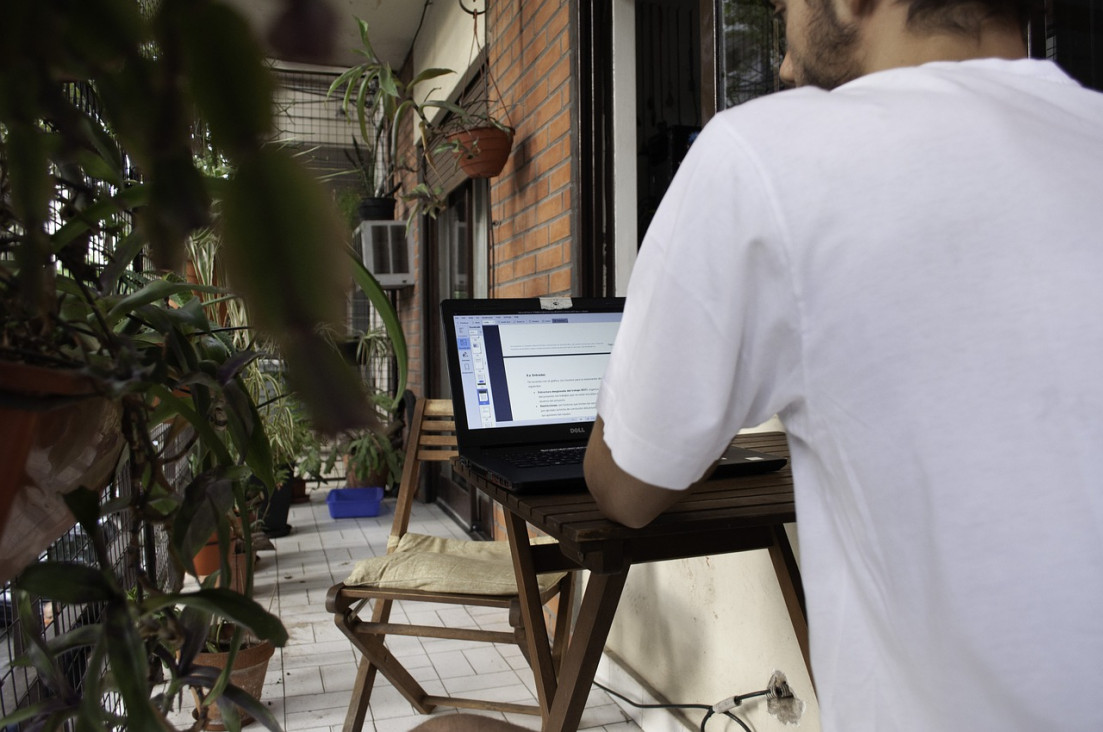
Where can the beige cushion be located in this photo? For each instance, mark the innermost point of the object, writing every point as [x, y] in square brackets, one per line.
[436, 564]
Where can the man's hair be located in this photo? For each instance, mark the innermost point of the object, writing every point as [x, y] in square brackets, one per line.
[967, 16]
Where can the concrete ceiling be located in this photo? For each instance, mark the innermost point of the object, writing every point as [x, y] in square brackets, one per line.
[393, 25]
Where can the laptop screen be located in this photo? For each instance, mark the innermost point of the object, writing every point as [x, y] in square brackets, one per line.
[514, 365]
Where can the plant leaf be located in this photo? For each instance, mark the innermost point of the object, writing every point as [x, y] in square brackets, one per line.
[207, 434]
[155, 291]
[67, 582]
[207, 500]
[227, 76]
[287, 262]
[391, 323]
[248, 704]
[226, 604]
[129, 667]
[247, 432]
[84, 504]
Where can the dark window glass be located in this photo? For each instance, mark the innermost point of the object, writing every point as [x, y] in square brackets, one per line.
[753, 43]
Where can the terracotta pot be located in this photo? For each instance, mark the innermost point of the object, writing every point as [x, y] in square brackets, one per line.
[249, 669]
[56, 433]
[483, 151]
[208, 561]
[221, 316]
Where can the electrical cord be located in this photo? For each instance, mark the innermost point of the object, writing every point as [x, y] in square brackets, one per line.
[738, 721]
[722, 707]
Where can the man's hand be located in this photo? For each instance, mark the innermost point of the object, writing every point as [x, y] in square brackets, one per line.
[621, 497]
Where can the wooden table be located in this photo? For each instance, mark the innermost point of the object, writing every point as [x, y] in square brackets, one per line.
[723, 516]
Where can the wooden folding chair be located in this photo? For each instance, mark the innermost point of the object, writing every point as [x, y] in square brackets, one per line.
[432, 438]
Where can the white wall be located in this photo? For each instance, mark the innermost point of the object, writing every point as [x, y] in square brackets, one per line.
[446, 41]
[702, 630]
[625, 196]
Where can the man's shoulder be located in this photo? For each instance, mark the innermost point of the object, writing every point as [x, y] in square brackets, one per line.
[903, 82]
[890, 102]
[792, 122]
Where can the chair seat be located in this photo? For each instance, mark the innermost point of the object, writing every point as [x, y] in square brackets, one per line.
[439, 564]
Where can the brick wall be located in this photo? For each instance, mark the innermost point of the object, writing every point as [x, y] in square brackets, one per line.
[531, 200]
[530, 62]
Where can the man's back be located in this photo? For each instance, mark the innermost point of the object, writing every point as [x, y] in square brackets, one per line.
[952, 398]
[912, 282]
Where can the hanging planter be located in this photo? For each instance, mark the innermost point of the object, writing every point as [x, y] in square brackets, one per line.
[56, 434]
[482, 152]
[478, 130]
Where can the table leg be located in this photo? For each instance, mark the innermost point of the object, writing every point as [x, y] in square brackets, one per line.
[788, 578]
[595, 617]
[563, 700]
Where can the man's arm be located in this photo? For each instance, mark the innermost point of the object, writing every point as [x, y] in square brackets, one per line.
[621, 497]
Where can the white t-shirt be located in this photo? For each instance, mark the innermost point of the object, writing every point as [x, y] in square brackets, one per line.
[909, 271]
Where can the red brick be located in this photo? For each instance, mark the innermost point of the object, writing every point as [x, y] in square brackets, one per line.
[559, 282]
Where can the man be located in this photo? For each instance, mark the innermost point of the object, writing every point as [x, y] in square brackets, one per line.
[906, 269]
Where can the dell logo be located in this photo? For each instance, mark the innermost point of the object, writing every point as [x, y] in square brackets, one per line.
[578, 430]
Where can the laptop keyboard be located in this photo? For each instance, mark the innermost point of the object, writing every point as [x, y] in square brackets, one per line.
[548, 456]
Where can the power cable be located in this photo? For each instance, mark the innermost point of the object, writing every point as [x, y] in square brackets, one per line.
[722, 707]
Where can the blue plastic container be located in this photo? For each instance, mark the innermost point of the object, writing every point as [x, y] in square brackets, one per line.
[354, 502]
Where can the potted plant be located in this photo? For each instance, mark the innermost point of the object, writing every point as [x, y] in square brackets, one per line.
[476, 129]
[247, 659]
[382, 103]
[371, 205]
[46, 453]
[373, 457]
[285, 421]
[480, 142]
[293, 440]
[84, 243]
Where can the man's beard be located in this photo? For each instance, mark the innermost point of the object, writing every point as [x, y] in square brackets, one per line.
[829, 58]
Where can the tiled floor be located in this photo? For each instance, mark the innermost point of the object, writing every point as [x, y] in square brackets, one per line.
[310, 680]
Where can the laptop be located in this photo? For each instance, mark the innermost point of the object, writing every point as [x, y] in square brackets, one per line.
[740, 461]
[525, 374]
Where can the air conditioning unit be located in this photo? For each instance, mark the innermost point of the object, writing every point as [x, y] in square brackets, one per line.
[387, 252]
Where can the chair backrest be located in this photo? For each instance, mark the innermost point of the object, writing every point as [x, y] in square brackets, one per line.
[432, 438]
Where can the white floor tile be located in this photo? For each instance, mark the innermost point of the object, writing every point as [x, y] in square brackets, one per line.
[451, 664]
[303, 681]
[464, 685]
[317, 703]
[487, 659]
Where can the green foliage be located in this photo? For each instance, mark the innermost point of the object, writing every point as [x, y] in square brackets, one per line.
[134, 629]
[124, 318]
[206, 70]
[382, 102]
[375, 456]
